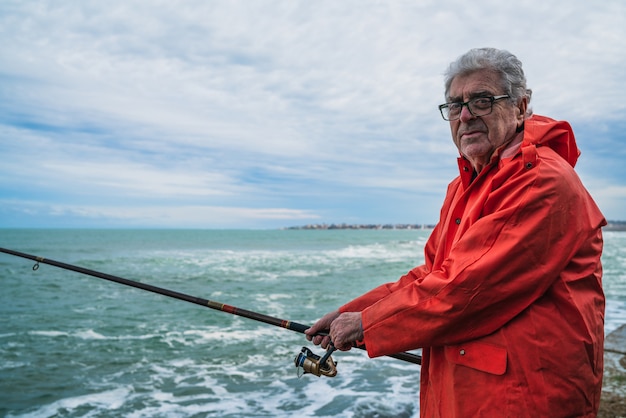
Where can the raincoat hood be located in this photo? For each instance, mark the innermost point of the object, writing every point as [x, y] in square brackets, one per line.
[558, 135]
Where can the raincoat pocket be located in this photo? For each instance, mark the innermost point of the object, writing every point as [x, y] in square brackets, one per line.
[480, 356]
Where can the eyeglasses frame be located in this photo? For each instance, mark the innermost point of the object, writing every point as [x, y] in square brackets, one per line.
[492, 98]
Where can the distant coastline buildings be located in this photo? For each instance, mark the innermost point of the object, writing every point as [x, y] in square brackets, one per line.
[611, 226]
[363, 226]
[615, 226]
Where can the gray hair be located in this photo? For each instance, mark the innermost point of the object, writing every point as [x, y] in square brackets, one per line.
[498, 60]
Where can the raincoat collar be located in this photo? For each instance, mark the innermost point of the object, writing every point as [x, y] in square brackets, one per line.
[538, 131]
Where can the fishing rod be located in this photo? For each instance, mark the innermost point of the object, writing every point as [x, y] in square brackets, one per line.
[306, 360]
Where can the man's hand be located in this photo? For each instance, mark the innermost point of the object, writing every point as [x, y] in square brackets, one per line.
[344, 330]
[321, 326]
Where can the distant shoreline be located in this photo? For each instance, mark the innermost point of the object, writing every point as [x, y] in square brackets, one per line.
[615, 226]
[611, 226]
[362, 226]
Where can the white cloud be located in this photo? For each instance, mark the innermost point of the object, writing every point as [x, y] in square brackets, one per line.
[161, 216]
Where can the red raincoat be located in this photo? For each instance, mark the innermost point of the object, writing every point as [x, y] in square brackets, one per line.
[508, 307]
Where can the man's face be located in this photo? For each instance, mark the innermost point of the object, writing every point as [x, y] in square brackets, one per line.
[478, 137]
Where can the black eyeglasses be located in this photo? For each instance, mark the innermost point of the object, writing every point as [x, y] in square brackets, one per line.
[480, 106]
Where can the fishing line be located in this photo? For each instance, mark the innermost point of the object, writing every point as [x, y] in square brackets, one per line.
[306, 359]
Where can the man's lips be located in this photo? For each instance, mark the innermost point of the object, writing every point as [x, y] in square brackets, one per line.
[470, 134]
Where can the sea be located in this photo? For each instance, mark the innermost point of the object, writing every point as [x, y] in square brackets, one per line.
[72, 345]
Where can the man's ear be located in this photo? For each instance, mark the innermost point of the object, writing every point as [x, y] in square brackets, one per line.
[522, 107]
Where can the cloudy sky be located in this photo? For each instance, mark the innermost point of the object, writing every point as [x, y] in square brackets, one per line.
[264, 114]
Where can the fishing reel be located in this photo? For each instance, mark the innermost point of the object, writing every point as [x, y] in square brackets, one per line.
[308, 362]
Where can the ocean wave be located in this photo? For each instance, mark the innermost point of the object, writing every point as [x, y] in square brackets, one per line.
[615, 315]
[270, 264]
[108, 400]
[51, 333]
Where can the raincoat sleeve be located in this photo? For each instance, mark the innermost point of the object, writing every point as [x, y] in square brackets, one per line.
[534, 221]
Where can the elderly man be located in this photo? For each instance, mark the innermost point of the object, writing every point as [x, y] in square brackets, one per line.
[508, 307]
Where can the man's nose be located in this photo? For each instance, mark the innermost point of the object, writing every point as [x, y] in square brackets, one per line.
[466, 115]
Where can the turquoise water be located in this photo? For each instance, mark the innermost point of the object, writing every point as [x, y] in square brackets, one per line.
[76, 346]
